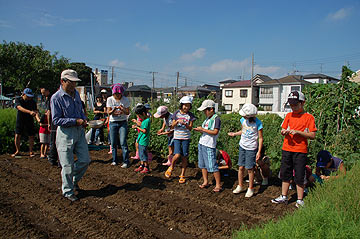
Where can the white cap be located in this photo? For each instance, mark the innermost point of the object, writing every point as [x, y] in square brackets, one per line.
[103, 91]
[186, 99]
[249, 110]
[207, 104]
[70, 75]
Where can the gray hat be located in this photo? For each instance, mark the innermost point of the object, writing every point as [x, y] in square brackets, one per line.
[70, 75]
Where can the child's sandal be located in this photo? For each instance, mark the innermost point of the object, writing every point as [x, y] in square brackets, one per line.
[168, 172]
[182, 179]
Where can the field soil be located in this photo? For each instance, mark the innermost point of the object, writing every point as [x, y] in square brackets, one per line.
[120, 203]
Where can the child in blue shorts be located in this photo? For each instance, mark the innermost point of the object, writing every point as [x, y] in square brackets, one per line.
[207, 144]
[251, 143]
[182, 124]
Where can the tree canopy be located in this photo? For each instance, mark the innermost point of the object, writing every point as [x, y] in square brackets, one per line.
[23, 65]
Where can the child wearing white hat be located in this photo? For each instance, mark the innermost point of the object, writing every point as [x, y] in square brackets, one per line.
[251, 144]
[182, 124]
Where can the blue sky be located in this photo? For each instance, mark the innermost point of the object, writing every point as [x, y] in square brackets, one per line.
[206, 41]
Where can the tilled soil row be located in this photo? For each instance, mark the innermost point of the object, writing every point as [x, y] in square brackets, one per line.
[117, 202]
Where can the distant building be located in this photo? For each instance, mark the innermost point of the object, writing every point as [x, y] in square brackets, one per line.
[320, 79]
[101, 77]
[165, 93]
[215, 90]
[355, 77]
[273, 94]
[236, 94]
[195, 91]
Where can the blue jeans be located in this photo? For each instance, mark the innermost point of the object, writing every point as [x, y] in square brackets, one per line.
[181, 146]
[247, 158]
[70, 141]
[119, 129]
[143, 153]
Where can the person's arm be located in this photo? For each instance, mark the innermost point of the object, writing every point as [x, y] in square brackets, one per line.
[189, 125]
[208, 131]
[26, 111]
[307, 135]
[342, 171]
[261, 140]
[162, 128]
[232, 134]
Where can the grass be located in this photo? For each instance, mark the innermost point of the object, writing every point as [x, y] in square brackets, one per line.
[332, 210]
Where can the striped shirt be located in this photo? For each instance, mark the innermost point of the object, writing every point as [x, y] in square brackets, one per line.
[180, 131]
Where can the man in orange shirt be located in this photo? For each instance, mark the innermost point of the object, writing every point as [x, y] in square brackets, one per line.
[298, 127]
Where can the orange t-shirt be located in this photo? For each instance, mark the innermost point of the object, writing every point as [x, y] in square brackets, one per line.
[303, 122]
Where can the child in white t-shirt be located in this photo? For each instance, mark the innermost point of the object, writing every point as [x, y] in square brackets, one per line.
[207, 144]
[251, 143]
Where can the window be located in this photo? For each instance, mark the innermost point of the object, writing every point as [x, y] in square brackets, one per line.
[228, 93]
[240, 106]
[294, 88]
[243, 93]
[267, 107]
[266, 92]
[228, 107]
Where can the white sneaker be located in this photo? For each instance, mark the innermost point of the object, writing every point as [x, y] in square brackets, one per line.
[249, 193]
[265, 182]
[280, 199]
[124, 165]
[238, 189]
[113, 164]
[299, 203]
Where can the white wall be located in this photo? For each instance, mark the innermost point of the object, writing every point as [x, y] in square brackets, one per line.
[235, 100]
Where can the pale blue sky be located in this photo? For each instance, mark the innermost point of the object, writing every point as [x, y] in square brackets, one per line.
[206, 41]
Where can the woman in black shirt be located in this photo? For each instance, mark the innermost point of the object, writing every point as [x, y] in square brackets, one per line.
[99, 111]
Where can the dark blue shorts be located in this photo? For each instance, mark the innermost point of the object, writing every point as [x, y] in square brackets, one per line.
[181, 146]
[143, 155]
[247, 158]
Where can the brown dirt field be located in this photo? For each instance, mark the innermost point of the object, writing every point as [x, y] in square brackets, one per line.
[120, 203]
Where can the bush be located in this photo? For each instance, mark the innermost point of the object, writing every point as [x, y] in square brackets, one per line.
[7, 130]
[332, 210]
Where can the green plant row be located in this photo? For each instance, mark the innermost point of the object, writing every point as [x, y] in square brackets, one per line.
[332, 210]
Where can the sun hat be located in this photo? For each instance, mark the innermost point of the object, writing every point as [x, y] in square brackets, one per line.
[103, 91]
[118, 88]
[248, 110]
[295, 96]
[161, 110]
[70, 75]
[207, 104]
[323, 158]
[186, 99]
[28, 92]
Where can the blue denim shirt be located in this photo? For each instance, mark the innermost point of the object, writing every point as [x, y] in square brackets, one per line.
[66, 109]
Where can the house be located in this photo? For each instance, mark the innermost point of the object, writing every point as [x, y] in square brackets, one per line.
[215, 90]
[195, 91]
[165, 93]
[320, 79]
[226, 82]
[139, 93]
[236, 94]
[355, 77]
[273, 93]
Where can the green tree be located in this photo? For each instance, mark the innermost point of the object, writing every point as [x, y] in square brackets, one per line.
[23, 65]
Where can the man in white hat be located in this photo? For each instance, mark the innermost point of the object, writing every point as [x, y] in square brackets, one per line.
[68, 115]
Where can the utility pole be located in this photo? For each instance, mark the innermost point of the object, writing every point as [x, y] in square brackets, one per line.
[112, 75]
[252, 77]
[153, 85]
[185, 81]
[176, 88]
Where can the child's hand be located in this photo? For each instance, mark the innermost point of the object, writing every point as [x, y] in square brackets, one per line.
[134, 126]
[199, 129]
[258, 154]
[232, 134]
[285, 131]
[159, 132]
[293, 132]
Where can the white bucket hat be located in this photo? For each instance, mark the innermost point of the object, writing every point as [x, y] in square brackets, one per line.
[248, 110]
[186, 99]
[70, 75]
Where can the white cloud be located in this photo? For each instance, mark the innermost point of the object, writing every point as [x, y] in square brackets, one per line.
[48, 20]
[197, 54]
[227, 65]
[143, 47]
[340, 14]
[117, 63]
[5, 24]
